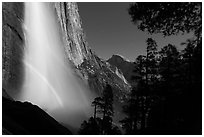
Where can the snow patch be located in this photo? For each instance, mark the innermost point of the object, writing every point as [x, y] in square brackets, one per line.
[120, 75]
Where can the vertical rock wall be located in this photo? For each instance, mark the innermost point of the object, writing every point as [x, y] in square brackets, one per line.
[73, 35]
[12, 44]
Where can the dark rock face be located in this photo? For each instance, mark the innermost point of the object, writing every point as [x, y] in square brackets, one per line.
[5, 94]
[124, 65]
[12, 44]
[24, 118]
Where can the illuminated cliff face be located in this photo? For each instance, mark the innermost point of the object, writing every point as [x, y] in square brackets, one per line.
[73, 35]
[95, 71]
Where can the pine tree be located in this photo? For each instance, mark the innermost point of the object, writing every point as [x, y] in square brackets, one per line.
[169, 64]
[103, 113]
[168, 18]
[97, 103]
[132, 111]
[140, 101]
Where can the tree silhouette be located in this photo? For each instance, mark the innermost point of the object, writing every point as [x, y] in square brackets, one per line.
[152, 60]
[168, 18]
[188, 54]
[101, 124]
[107, 97]
[104, 105]
[97, 103]
[176, 86]
[92, 127]
[132, 111]
[169, 63]
[193, 88]
[107, 109]
[139, 104]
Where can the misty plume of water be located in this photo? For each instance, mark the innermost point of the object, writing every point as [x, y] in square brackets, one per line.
[49, 80]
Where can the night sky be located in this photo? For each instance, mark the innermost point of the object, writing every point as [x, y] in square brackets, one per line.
[109, 30]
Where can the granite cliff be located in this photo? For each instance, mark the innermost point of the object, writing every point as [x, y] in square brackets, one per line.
[94, 71]
[125, 66]
[12, 45]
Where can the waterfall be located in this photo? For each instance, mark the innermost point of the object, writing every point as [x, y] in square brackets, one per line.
[49, 79]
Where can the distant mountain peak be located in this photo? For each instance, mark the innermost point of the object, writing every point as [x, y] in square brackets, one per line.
[126, 66]
[120, 56]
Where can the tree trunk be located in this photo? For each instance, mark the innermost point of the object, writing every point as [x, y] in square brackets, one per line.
[95, 112]
[143, 115]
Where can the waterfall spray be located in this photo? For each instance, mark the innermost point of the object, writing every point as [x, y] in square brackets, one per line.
[49, 80]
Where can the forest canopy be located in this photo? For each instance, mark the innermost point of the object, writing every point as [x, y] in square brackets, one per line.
[168, 18]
